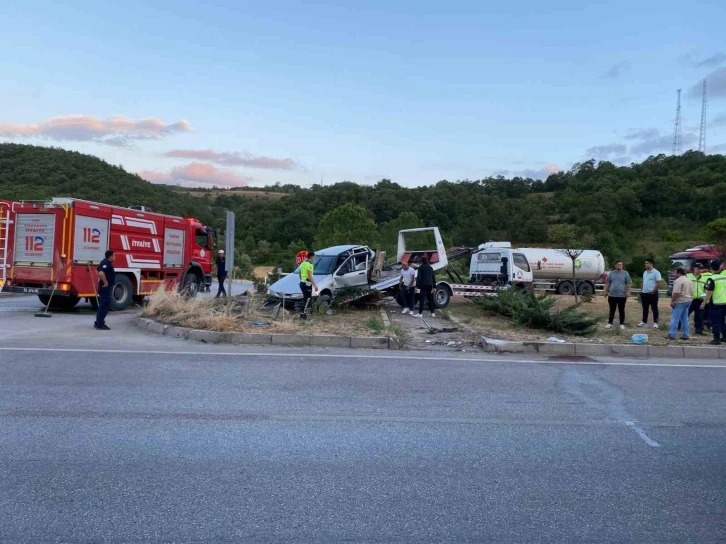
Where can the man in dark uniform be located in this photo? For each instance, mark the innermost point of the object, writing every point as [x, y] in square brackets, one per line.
[221, 274]
[106, 281]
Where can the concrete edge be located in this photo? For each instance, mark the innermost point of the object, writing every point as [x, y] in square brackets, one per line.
[282, 339]
[603, 350]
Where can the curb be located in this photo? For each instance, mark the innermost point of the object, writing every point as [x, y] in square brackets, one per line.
[237, 338]
[624, 350]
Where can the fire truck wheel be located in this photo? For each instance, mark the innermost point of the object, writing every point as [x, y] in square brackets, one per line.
[190, 287]
[122, 293]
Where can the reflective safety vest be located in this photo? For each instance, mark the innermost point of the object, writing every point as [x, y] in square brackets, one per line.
[719, 289]
[699, 285]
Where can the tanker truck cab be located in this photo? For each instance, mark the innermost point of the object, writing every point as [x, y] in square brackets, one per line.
[497, 264]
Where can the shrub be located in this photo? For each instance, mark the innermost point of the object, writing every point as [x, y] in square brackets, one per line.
[374, 324]
[527, 310]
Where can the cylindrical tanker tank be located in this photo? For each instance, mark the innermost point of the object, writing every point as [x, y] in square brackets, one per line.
[550, 264]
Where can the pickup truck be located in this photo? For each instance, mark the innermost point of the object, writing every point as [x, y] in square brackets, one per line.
[343, 268]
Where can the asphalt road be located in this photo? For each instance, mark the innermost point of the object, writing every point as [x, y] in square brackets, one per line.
[128, 437]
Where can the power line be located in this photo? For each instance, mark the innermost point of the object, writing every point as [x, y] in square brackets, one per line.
[702, 135]
[677, 137]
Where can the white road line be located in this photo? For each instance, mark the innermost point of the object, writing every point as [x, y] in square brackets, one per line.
[309, 355]
[641, 433]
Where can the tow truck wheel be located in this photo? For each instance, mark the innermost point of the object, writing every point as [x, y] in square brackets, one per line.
[442, 297]
[61, 303]
[122, 293]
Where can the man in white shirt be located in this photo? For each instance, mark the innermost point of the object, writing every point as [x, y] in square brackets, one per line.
[407, 283]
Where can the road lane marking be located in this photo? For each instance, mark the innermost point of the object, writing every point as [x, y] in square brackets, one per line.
[641, 433]
[315, 355]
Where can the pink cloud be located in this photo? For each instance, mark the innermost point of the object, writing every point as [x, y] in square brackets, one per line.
[197, 173]
[234, 159]
[116, 130]
[552, 169]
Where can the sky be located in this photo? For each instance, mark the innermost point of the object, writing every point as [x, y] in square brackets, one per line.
[249, 93]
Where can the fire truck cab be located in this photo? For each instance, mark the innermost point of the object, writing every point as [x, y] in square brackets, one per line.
[52, 249]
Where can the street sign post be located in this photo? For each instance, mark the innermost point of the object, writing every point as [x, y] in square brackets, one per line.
[229, 250]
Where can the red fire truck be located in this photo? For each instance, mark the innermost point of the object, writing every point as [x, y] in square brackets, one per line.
[53, 249]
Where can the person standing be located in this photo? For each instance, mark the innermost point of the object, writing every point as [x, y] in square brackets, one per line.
[106, 281]
[407, 284]
[652, 281]
[681, 299]
[425, 281]
[716, 295]
[221, 274]
[699, 292]
[617, 291]
[307, 283]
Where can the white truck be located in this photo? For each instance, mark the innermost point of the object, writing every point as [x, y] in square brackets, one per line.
[550, 269]
[342, 269]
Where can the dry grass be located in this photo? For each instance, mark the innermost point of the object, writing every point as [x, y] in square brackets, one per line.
[499, 327]
[232, 315]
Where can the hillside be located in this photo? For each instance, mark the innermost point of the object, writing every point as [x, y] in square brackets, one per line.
[37, 173]
[652, 208]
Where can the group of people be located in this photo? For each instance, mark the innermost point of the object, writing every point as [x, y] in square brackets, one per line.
[409, 282]
[700, 292]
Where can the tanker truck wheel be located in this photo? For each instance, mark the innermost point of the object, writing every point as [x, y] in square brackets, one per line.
[585, 289]
[566, 288]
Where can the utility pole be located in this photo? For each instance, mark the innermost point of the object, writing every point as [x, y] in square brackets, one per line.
[702, 135]
[677, 131]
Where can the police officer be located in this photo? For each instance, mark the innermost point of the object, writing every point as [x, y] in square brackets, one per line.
[106, 281]
[307, 282]
[716, 295]
[221, 274]
[699, 292]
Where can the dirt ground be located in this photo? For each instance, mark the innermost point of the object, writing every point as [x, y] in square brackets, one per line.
[500, 328]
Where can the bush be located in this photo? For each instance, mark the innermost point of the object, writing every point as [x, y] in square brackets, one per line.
[374, 324]
[527, 310]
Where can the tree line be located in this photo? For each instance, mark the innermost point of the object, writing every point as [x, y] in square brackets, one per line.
[627, 212]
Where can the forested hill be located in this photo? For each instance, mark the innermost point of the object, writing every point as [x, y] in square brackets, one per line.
[38, 173]
[651, 208]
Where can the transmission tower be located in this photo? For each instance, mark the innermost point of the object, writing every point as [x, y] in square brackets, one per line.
[677, 132]
[702, 135]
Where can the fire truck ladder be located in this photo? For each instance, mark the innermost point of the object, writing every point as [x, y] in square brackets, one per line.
[4, 232]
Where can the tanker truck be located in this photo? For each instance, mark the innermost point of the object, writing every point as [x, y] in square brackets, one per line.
[551, 270]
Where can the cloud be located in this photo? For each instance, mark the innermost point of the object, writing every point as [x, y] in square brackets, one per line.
[542, 173]
[116, 130]
[718, 121]
[197, 173]
[654, 142]
[716, 85]
[616, 70]
[234, 159]
[600, 151]
[719, 148]
[641, 133]
[709, 62]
